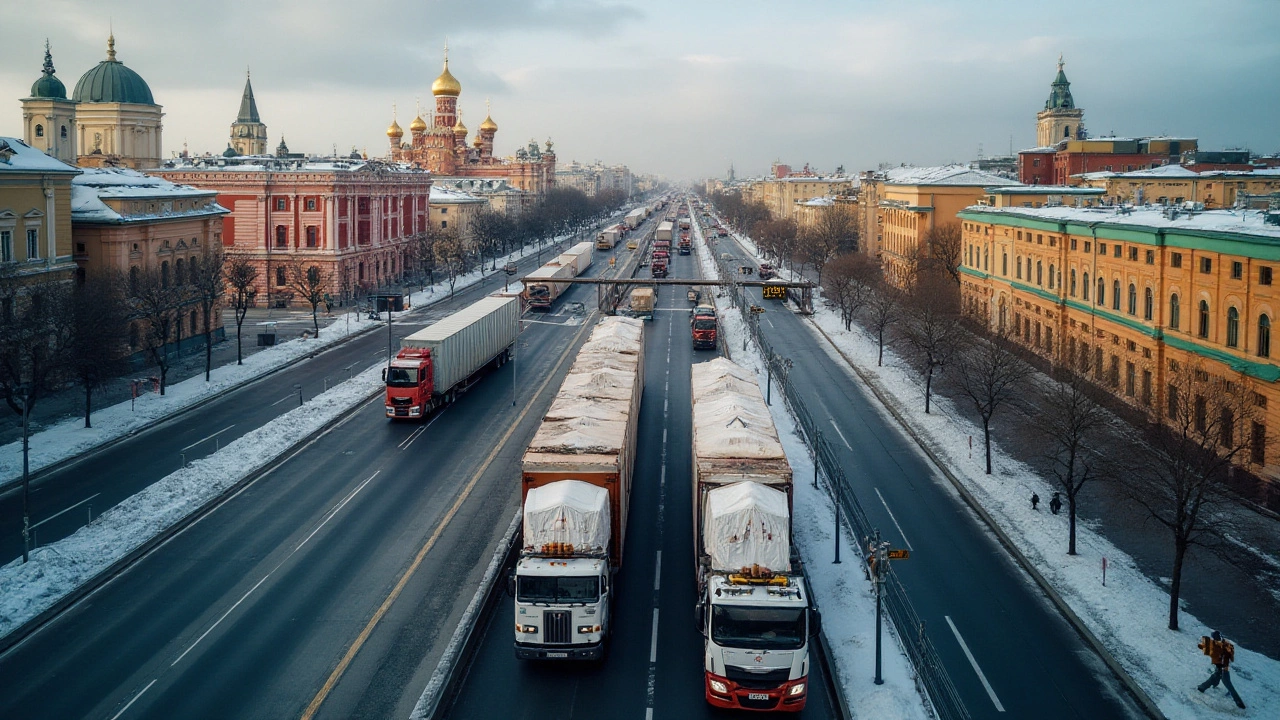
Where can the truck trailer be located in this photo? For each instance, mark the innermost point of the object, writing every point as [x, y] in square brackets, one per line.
[442, 360]
[608, 238]
[664, 230]
[635, 217]
[540, 288]
[579, 256]
[754, 607]
[576, 480]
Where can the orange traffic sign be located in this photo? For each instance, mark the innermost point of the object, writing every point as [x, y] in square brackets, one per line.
[899, 554]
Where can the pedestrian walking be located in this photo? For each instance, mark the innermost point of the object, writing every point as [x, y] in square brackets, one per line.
[1055, 503]
[1221, 653]
[1035, 501]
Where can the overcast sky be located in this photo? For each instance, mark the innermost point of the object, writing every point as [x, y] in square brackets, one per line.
[679, 88]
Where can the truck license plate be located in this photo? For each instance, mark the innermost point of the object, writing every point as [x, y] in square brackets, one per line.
[757, 696]
[557, 654]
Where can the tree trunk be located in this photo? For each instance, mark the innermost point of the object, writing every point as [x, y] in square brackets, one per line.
[315, 322]
[880, 357]
[208, 349]
[88, 406]
[164, 373]
[1175, 583]
[928, 387]
[986, 439]
[1071, 523]
[239, 355]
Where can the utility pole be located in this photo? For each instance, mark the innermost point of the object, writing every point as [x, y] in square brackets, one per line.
[878, 573]
[26, 476]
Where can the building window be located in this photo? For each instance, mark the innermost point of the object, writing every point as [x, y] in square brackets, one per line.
[39, 131]
[1085, 286]
[312, 236]
[33, 244]
[1039, 273]
[1114, 376]
[1086, 245]
[1237, 270]
[1102, 292]
[281, 203]
[1175, 260]
[1019, 268]
[1130, 379]
[1133, 254]
[1258, 444]
[985, 257]
[6, 246]
[279, 276]
[1206, 265]
[1146, 387]
[1115, 295]
[64, 132]
[178, 274]
[1264, 336]
[1133, 299]
[1148, 304]
[1004, 264]
[1102, 248]
[1073, 243]
[282, 236]
[1118, 250]
[1264, 276]
[1151, 257]
[1204, 318]
[444, 224]
[1233, 327]
[1175, 311]
[164, 275]
[1073, 282]
[1051, 277]
[311, 203]
[444, 211]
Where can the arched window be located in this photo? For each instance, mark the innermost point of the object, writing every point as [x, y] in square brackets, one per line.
[1204, 318]
[1019, 267]
[1084, 286]
[39, 131]
[282, 236]
[1039, 273]
[1148, 304]
[1115, 295]
[1066, 131]
[178, 278]
[1073, 282]
[1004, 264]
[1233, 327]
[64, 132]
[164, 274]
[1175, 311]
[1051, 278]
[1133, 299]
[1264, 336]
[279, 275]
[1102, 291]
[986, 256]
[133, 281]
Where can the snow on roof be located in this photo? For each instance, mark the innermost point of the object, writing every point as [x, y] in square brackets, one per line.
[17, 156]
[820, 202]
[730, 418]
[1041, 149]
[1044, 190]
[94, 185]
[1162, 171]
[1246, 223]
[444, 196]
[944, 175]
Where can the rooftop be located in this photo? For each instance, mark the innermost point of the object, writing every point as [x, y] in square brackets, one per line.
[90, 189]
[17, 156]
[953, 175]
[1247, 223]
[1044, 190]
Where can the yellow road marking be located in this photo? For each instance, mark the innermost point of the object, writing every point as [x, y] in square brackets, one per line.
[360, 640]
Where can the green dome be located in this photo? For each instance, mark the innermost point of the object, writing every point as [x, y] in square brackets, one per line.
[48, 86]
[112, 82]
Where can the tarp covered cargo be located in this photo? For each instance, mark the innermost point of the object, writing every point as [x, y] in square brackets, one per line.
[569, 511]
[747, 524]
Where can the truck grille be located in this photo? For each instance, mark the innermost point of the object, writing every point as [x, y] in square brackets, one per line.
[757, 680]
[557, 626]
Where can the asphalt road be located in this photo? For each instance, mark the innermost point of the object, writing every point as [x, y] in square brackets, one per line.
[103, 479]
[627, 684]
[962, 583]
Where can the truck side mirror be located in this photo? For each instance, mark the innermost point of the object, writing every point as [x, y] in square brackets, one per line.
[701, 614]
[384, 374]
[511, 585]
[815, 622]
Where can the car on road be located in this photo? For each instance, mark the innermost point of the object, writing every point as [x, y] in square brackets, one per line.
[511, 268]
[631, 245]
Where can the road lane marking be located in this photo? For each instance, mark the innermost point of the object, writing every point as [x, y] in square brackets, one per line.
[836, 427]
[653, 639]
[894, 519]
[974, 663]
[212, 436]
[134, 700]
[657, 572]
[314, 706]
[290, 396]
[404, 444]
[652, 684]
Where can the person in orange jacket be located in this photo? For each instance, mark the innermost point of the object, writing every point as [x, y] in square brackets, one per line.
[1221, 653]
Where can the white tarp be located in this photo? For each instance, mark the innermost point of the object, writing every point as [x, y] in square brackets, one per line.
[567, 511]
[730, 418]
[747, 524]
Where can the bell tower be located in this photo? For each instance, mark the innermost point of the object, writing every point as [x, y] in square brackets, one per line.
[1061, 119]
[248, 133]
[48, 117]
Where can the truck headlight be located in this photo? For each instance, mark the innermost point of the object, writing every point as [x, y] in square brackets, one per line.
[415, 410]
[526, 629]
[797, 689]
[719, 687]
[584, 629]
[390, 410]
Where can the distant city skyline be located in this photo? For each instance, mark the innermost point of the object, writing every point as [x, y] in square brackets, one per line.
[679, 89]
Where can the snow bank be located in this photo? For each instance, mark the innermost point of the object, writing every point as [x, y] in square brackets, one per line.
[57, 569]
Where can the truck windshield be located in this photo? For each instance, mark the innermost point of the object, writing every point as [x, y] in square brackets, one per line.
[704, 324]
[539, 291]
[402, 377]
[757, 628]
[558, 589]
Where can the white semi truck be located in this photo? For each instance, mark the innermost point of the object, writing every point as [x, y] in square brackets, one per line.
[754, 607]
[576, 482]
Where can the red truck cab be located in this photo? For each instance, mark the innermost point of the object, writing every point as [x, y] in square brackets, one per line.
[767, 272]
[409, 384]
[704, 327]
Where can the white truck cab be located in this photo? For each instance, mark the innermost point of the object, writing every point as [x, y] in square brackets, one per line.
[561, 607]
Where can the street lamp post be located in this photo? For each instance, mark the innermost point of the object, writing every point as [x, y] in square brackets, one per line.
[881, 565]
[26, 474]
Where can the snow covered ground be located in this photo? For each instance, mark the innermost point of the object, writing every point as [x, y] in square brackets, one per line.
[846, 597]
[70, 437]
[55, 570]
[1128, 615]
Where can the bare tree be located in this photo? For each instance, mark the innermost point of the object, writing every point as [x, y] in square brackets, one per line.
[989, 375]
[310, 283]
[451, 256]
[97, 350]
[157, 303]
[945, 247]
[932, 333]
[883, 309]
[850, 283]
[1210, 425]
[241, 276]
[1072, 422]
[208, 287]
[833, 233]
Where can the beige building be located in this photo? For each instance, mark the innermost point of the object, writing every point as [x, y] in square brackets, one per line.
[1177, 184]
[782, 196]
[500, 194]
[127, 222]
[456, 210]
[35, 215]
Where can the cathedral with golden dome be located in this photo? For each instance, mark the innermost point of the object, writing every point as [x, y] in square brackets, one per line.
[441, 146]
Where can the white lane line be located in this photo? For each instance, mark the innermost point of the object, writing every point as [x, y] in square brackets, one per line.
[290, 396]
[894, 519]
[974, 663]
[211, 436]
[135, 699]
[836, 427]
[329, 515]
[657, 572]
[404, 444]
[653, 640]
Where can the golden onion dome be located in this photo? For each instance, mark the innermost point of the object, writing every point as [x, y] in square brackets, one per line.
[477, 142]
[418, 124]
[489, 125]
[459, 128]
[394, 131]
[446, 84]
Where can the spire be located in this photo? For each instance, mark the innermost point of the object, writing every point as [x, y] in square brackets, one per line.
[111, 47]
[48, 58]
[1060, 91]
[248, 106]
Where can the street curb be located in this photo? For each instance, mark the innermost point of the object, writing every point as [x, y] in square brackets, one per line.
[64, 463]
[25, 630]
[455, 663]
[1064, 609]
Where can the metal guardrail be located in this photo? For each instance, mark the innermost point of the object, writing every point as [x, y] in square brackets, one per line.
[931, 676]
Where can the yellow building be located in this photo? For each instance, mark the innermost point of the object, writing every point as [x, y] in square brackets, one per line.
[909, 201]
[782, 196]
[35, 214]
[450, 209]
[1034, 196]
[1177, 184]
[1125, 295]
